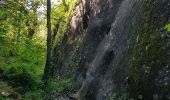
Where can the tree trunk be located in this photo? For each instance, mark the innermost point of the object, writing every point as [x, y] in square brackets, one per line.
[49, 43]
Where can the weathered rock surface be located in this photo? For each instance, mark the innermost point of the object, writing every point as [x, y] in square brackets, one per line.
[117, 48]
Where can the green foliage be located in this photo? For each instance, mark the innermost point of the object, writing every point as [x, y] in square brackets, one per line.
[34, 95]
[22, 56]
[167, 27]
[24, 60]
[61, 14]
[60, 85]
[57, 88]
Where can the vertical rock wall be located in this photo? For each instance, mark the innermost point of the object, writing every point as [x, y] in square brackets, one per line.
[116, 48]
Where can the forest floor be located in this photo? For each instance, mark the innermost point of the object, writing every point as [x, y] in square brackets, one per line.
[7, 92]
[19, 87]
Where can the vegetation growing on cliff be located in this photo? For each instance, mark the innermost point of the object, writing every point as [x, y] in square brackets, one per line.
[146, 60]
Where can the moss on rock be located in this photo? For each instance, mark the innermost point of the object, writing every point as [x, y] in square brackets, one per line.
[145, 62]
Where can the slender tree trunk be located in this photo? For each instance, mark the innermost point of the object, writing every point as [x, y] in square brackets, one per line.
[49, 43]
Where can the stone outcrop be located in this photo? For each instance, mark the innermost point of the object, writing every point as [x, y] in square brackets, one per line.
[116, 49]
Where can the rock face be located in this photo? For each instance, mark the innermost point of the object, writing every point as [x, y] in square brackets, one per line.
[117, 49]
[1, 2]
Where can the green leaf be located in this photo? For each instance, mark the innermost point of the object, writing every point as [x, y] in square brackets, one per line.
[167, 27]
